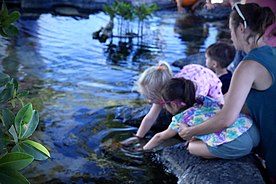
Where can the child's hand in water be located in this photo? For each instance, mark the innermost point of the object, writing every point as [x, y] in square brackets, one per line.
[130, 141]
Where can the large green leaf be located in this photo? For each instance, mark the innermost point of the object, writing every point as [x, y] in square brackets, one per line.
[29, 149]
[4, 79]
[38, 146]
[4, 140]
[11, 18]
[23, 117]
[10, 30]
[7, 118]
[7, 93]
[2, 33]
[16, 160]
[29, 128]
[4, 10]
[10, 176]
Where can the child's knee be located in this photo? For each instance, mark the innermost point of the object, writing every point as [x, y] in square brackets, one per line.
[199, 149]
[193, 148]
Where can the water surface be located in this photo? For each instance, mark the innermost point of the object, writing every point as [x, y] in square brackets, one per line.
[72, 78]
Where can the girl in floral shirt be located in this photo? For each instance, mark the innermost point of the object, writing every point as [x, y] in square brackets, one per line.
[233, 142]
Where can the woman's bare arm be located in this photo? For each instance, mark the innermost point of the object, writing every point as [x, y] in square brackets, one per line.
[243, 79]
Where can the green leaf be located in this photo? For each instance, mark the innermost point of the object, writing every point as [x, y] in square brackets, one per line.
[4, 10]
[11, 30]
[2, 33]
[16, 160]
[29, 128]
[7, 118]
[4, 79]
[22, 94]
[14, 16]
[38, 146]
[29, 149]
[7, 93]
[13, 133]
[23, 117]
[10, 176]
[4, 141]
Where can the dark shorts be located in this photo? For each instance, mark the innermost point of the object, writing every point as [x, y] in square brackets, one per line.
[238, 147]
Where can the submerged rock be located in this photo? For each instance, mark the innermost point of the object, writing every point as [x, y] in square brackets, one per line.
[195, 59]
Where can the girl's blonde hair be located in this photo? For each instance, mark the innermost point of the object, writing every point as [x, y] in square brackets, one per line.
[152, 80]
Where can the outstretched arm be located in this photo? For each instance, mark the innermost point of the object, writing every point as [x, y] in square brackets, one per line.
[149, 120]
[159, 138]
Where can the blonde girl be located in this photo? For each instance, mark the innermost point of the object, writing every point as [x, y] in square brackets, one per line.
[153, 79]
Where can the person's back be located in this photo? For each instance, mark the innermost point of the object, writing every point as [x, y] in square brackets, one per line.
[262, 104]
[206, 81]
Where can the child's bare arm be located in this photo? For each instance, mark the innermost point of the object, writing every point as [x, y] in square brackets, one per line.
[159, 138]
[148, 120]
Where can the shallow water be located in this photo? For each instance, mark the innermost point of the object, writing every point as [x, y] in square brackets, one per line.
[72, 77]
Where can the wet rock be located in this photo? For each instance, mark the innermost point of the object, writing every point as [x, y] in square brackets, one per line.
[195, 59]
[191, 169]
[218, 13]
[134, 115]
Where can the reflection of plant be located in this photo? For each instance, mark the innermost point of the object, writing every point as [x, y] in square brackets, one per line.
[16, 150]
[125, 13]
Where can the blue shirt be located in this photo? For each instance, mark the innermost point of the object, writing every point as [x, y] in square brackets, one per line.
[262, 106]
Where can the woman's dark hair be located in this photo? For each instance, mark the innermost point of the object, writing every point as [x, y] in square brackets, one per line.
[179, 89]
[257, 18]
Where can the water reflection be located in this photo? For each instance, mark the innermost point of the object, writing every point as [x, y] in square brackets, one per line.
[72, 78]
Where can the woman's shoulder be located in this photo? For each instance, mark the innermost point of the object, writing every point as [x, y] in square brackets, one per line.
[261, 53]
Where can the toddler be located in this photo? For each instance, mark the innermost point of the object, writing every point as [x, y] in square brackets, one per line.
[218, 57]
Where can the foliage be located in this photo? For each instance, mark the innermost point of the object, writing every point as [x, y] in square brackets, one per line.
[6, 21]
[125, 12]
[18, 120]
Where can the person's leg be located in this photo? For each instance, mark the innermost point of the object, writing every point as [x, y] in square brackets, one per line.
[179, 5]
[199, 148]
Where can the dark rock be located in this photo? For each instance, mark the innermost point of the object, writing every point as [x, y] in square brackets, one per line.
[133, 116]
[218, 13]
[191, 169]
[195, 59]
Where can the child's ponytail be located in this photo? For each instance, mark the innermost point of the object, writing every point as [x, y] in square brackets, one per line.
[152, 80]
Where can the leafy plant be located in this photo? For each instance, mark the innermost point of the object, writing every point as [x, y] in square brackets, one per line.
[18, 120]
[6, 21]
[143, 12]
[125, 12]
